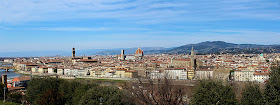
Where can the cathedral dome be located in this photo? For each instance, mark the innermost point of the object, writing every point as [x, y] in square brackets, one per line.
[139, 52]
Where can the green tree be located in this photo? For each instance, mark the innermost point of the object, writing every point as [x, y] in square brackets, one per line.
[67, 89]
[104, 95]
[213, 92]
[1, 90]
[37, 87]
[272, 90]
[14, 97]
[251, 95]
[81, 91]
[50, 97]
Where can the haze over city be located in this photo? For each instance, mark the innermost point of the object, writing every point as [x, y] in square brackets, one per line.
[33, 25]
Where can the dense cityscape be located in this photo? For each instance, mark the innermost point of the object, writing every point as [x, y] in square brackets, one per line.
[139, 52]
[233, 67]
[180, 68]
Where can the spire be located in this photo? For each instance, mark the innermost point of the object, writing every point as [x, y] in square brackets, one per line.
[73, 52]
[193, 61]
[192, 53]
[138, 46]
[192, 48]
[117, 57]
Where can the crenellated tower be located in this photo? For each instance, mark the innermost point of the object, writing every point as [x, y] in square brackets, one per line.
[73, 53]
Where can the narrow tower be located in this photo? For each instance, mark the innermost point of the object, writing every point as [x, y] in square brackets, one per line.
[73, 52]
[193, 60]
[122, 55]
[117, 57]
[192, 53]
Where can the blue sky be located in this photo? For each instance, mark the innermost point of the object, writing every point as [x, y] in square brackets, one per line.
[34, 25]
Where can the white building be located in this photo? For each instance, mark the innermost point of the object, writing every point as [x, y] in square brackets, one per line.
[261, 77]
[129, 57]
[68, 71]
[51, 70]
[110, 74]
[80, 72]
[176, 73]
[34, 69]
[171, 73]
[243, 75]
[60, 71]
[9, 60]
[203, 74]
[156, 74]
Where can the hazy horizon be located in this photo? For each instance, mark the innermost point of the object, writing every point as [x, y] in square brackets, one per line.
[70, 49]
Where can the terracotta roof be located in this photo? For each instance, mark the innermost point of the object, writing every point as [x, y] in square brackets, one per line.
[130, 71]
[21, 78]
[43, 67]
[175, 69]
[31, 64]
[86, 60]
[182, 59]
[16, 88]
[229, 61]
[259, 73]
[157, 61]
[204, 70]
[54, 61]
[139, 51]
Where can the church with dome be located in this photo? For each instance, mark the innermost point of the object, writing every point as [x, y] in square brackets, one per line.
[139, 54]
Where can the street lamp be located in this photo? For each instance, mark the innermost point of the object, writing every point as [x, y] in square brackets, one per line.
[101, 99]
[4, 93]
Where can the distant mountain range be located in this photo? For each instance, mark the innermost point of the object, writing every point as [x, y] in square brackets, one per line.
[207, 47]
[223, 47]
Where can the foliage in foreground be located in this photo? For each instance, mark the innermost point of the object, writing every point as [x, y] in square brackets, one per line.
[8, 103]
[272, 90]
[38, 87]
[52, 91]
[251, 95]
[104, 95]
[1, 88]
[59, 92]
[15, 97]
[214, 93]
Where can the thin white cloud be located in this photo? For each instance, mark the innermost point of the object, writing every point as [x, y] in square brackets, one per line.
[5, 28]
[138, 10]
[71, 29]
[245, 32]
[87, 29]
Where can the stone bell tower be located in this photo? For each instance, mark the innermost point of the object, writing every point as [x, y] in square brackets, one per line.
[193, 60]
[73, 53]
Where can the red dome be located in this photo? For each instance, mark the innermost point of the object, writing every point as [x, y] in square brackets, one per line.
[139, 52]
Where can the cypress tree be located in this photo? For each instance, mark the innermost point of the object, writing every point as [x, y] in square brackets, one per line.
[272, 91]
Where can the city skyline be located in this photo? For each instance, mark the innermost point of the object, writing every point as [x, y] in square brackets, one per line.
[139, 52]
[34, 26]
